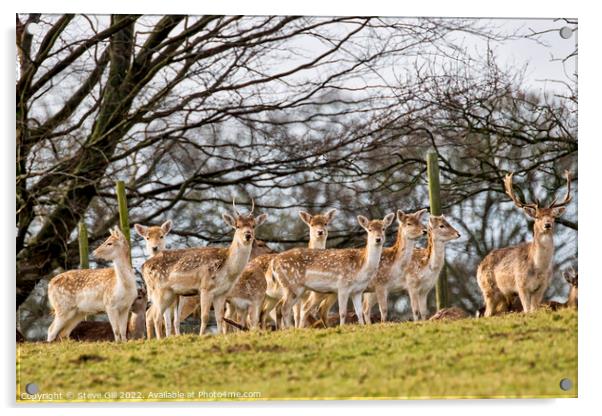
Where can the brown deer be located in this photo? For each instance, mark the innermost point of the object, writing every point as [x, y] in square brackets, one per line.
[424, 267]
[155, 240]
[390, 277]
[345, 272]
[207, 271]
[318, 234]
[77, 293]
[571, 278]
[524, 269]
[188, 305]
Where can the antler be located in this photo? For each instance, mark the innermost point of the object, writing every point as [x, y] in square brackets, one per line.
[252, 207]
[567, 197]
[234, 206]
[513, 197]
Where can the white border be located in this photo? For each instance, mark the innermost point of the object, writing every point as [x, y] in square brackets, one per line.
[590, 187]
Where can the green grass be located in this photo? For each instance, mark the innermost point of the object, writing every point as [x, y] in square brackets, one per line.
[516, 355]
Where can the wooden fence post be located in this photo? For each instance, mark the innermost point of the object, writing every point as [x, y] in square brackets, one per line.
[432, 168]
[124, 222]
[84, 262]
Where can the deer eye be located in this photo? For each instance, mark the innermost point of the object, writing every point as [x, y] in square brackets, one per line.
[109, 244]
[161, 237]
[442, 226]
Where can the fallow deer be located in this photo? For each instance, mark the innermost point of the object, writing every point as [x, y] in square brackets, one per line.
[424, 267]
[155, 241]
[318, 234]
[524, 269]
[345, 272]
[207, 271]
[77, 293]
[188, 305]
[390, 277]
[572, 280]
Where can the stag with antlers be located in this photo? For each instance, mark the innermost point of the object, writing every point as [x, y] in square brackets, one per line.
[524, 269]
[207, 271]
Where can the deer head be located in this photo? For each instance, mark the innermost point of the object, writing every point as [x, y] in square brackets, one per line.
[318, 224]
[411, 225]
[375, 228]
[244, 225]
[544, 216]
[154, 236]
[571, 277]
[113, 247]
[442, 230]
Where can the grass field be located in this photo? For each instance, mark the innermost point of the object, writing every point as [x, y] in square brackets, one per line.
[516, 355]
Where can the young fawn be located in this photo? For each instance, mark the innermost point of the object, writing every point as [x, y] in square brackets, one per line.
[524, 269]
[77, 293]
[249, 291]
[345, 272]
[390, 277]
[425, 265]
[155, 240]
[207, 271]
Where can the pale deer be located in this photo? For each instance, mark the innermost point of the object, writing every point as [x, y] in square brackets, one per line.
[318, 234]
[77, 293]
[424, 267]
[345, 272]
[390, 277]
[524, 269]
[207, 271]
[155, 241]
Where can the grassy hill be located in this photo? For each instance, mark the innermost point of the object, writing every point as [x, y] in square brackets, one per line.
[516, 355]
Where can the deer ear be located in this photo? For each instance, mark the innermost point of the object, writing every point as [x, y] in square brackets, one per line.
[330, 214]
[388, 220]
[557, 212]
[166, 226]
[229, 220]
[305, 217]
[420, 213]
[363, 221]
[260, 219]
[140, 229]
[531, 212]
[400, 215]
[119, 233]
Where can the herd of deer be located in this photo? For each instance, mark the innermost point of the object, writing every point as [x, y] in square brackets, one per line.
[298, 283]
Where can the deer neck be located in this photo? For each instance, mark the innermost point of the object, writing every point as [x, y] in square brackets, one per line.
[136, 324]
[124, 271]
[371, 257]
[317, 243]
[238, 257]
[402, 250]
[436, 252]
[542, 250]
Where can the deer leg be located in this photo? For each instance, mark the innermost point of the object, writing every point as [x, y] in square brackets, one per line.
[56, 326]
[218, 308]
[369, 300]
[297, 313]
[525, 299]
[206, 301]
[113, 315]
[149, 322]
[382, 295]
[123, 323]
[68, 327]
[356, 299]
[167, 318]
[325, 307]
[290, 298]
[422, 298]
[414, 304]
[343, 296]
[254, 311]
[176, 315]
